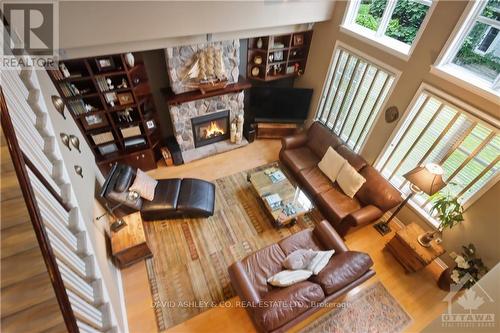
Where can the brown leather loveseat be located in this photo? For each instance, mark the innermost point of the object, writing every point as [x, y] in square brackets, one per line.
[274, 309]
[301, 154]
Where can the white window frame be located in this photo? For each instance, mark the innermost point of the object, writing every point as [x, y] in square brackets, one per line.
[378, 38]
[471, 112]
[457, 74]
[392, 70]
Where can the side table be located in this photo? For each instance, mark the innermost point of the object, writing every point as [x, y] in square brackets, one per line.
[408, 252]
[128, 244]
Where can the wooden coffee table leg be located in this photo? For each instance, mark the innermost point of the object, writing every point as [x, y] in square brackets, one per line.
[292, 222]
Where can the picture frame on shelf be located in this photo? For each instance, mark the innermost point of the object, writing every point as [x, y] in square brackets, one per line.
[125, 98]
[93, 121]
[278, 56]
[111, 98]
[150, 124]
[105, 64]
[298, 40]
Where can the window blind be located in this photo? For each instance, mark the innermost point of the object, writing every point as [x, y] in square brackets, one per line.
[438, 131]
[354, 92]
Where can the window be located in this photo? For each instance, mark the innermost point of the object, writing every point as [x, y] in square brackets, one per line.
[392, 23]
[354, 92]
[441, 132]
[474, 53]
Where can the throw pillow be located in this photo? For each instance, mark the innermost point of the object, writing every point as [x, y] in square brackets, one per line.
[287, 278]
[331, 163]
[299, 259]
[349, 180]
[144, 185]
[320, 261]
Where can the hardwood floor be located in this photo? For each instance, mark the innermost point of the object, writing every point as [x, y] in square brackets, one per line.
[417, 293]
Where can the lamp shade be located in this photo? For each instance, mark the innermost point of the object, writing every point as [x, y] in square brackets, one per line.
[428, 178]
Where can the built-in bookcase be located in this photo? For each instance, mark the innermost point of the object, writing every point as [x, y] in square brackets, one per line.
[112, 105]
[278, 57]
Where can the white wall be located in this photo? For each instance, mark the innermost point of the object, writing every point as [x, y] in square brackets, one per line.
[109, 26]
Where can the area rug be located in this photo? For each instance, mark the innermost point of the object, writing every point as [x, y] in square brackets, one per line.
[188, 272]
[373, 310]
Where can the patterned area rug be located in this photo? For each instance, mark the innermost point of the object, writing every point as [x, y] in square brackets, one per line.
[188, 272]
[372, 310]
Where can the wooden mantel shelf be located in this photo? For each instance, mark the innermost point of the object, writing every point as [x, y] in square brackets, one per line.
[173, 99]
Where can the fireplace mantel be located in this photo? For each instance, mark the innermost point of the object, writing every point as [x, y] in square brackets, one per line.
[173, 99]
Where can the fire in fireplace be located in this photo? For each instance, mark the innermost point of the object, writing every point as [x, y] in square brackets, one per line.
[210, 128]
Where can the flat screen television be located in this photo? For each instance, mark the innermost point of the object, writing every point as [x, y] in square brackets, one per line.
[273, 104]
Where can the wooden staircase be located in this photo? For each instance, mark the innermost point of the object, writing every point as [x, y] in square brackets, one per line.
[28, 300]
[50, 280]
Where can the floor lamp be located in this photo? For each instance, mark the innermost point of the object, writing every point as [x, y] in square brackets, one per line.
[428, 179]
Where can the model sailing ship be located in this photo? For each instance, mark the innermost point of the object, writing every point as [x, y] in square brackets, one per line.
[207, 73]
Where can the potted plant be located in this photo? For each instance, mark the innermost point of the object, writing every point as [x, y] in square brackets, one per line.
[467, 264]
[449, 212]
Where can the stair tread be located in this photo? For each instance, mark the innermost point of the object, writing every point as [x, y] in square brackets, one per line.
[27, 293]
[10, 188]
[37, 318]
[22, 266]
[18, 239]
[14, 212]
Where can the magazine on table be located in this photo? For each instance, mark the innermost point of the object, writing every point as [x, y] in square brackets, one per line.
[275, 174]
[273, 200]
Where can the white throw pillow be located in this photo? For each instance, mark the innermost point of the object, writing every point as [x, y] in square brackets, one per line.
[320, 261]
[287, 278]
[299, 259]
[331, 163]
[144, 185]
[349, 180]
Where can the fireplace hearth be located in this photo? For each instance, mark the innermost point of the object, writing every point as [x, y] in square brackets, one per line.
[210, 128]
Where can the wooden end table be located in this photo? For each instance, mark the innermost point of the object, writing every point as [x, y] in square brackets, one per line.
[408, 252]
[128, 245]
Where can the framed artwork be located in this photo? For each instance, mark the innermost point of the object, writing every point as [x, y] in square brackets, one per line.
[105, 64]
[94, 121]
[125, 98]
[298, 40]
[111, 99]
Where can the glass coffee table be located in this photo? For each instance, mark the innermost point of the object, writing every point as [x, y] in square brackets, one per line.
[283, 200]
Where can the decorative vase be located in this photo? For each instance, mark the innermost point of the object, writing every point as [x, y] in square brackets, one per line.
[129, 59]
[259, 43]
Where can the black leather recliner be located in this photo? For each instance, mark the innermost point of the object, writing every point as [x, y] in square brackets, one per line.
[174, 198]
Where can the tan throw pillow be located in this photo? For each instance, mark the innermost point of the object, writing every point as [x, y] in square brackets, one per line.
[320, 261]
[144, 185]
[299, 259]
[287, 278]
[349, 180]
[331, 163]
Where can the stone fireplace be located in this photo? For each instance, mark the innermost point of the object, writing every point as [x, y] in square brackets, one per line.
[201, 124]
[210, 128]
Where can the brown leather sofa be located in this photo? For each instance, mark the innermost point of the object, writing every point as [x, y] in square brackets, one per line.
[274, 309]
[301, 154]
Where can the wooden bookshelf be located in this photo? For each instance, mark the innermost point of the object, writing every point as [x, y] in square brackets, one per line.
[282, 56]
[126, 130]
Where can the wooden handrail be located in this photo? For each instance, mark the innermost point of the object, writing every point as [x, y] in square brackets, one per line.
[45, 183]
[36, 218]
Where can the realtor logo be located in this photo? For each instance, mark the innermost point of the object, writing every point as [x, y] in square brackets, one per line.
[474, 304]
[30, 37]
[31, 28]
